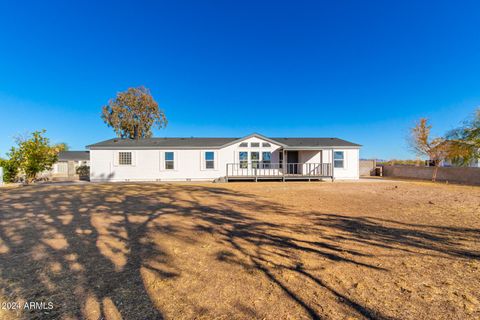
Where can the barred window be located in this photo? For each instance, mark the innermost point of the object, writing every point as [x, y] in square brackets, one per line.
[62, 167]
[125, 158]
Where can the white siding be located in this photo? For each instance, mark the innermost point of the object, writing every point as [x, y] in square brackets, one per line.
[148, 165]
[351, 169]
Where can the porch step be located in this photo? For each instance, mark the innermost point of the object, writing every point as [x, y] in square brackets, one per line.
[220, 180]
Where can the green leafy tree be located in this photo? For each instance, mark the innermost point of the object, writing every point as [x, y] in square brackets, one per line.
[10, 169]
[133, 113]
[34, 155]
[424, 146]
[63, 146]
[465, 141]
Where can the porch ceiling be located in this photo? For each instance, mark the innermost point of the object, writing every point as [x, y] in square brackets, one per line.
[306, 148]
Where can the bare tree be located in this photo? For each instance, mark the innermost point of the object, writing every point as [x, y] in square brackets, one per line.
[133, 113]
[422, 144]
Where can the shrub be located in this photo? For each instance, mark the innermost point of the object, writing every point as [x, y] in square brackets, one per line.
[395, 162]
[83, 171]
[10, 169]
[34, 155]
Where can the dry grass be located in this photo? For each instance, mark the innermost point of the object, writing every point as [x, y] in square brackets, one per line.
[400, 250]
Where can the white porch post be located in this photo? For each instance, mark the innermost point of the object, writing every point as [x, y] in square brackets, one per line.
[333, 166]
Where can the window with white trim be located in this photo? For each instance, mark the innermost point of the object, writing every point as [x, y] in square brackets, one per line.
[255, 158]
[62, 167]
[243, 159]
[243, 145]
[338, 159]
[125, 158]
[169, 160]
[266, 144]
[266, 159]
[255, 144]
[209, 160]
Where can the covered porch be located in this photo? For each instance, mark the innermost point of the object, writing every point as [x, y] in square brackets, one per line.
[290, 164]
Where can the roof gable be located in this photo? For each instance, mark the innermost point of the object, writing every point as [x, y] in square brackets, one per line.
[254, 135]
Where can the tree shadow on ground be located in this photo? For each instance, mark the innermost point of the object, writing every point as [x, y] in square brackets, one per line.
[90, 248]
[262, 245]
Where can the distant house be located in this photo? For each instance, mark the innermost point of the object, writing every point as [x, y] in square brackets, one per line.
[443, 152]
[68, 162]
[253, 157]
[474, 163]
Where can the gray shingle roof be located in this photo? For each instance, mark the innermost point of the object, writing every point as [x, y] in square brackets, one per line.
[163, 143]
[215, 143]
[315, 142]
[74, 156]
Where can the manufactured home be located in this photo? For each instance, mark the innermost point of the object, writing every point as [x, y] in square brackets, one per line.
[254, 157]
[68, 163]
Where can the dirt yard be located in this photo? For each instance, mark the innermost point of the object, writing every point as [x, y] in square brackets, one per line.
[379, 250]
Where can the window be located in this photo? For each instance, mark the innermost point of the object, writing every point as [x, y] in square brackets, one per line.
[125, 158]
[280, 159]
[243, 157]
[255, 158]
[209, 160]
[255, 144]
[169, 160]
[62, 167]
[243, 145]
[265, 144]
[338, 159]
[266, 159]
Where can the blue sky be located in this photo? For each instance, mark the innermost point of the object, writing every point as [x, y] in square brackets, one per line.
[359, 70]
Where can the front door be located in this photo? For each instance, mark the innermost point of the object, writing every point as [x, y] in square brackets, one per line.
[292, 162]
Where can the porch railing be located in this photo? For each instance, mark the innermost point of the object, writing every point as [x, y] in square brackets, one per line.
[273, 170]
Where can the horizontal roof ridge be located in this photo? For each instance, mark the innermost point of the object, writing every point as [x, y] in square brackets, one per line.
[219, 142]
